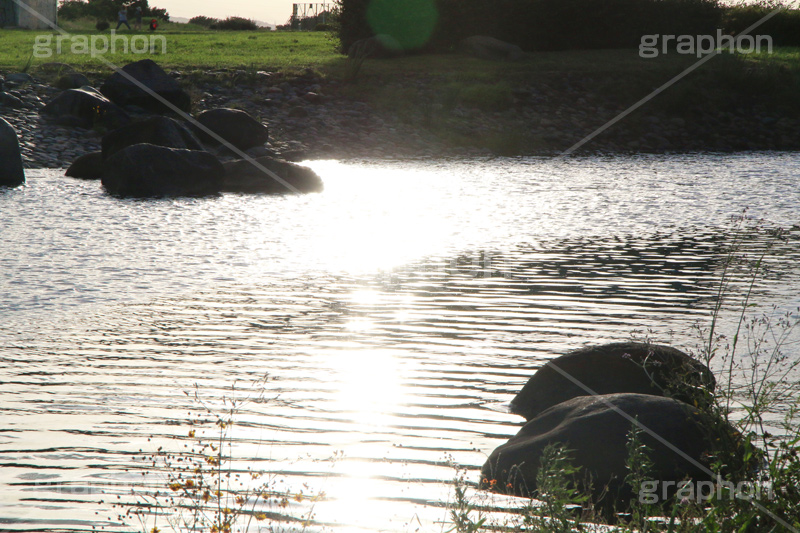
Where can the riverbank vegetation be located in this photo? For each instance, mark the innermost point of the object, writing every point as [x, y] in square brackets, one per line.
[757, 393]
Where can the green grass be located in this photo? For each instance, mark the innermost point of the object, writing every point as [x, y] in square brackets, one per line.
[186, 49]
[189, 46]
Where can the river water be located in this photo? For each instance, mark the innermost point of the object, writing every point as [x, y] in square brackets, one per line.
[393, 315]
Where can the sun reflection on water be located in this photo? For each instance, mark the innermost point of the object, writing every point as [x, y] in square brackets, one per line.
[379, 222]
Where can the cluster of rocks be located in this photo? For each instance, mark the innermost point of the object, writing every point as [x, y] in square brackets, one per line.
[588, 400]
[145, 153]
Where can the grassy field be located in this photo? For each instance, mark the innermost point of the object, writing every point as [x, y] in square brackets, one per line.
[186, 48]
[189, 47]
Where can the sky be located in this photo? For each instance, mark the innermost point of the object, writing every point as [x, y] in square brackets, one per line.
[273, 11]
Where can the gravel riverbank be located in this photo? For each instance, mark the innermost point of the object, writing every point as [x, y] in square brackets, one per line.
[310, 117]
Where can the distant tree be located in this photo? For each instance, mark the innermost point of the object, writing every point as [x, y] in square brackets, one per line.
[107, 9]
[235, 24]
[72, 9]
[202, 20]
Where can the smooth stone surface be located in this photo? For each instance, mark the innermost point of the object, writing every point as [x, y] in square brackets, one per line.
[235, 126]
[146, 170]
[243, 176]
[618, 367]
[122, 91]
[73, 80]
[12, 172]
[160, 131]
[19, 77]
[88, 166]
[9, 100]
[85, 108]
[593, 428]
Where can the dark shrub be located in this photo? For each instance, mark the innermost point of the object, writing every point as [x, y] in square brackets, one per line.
[71, 9]
[535, 24]
[352, 23]
[323, 27]
[784, 28]
[107, 9]
[204, 21]
[235, 24]
[102, 25]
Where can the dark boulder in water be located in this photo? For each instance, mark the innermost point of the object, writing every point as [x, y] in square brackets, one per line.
[160, 131]
[595, 429]
[88, 167]
[611, 368]
[146, 170]
[271, 176]
[12, 172]
[234, 126]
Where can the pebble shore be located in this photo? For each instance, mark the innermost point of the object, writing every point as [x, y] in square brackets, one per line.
[309, 117]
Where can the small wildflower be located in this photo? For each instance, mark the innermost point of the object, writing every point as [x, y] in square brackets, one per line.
[175, 486]
[298, 497]
[191, 434]
[155, 530]
[261, 516]
[240, 500]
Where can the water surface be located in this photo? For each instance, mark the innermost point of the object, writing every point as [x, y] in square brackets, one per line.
[395, 314]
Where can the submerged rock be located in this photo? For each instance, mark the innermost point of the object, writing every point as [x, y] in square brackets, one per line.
[160, 131]
[619, 367]
[88, 166]
[234, 126]
[243, 176]
[595, 429]
[144, 170]
[12, 172]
